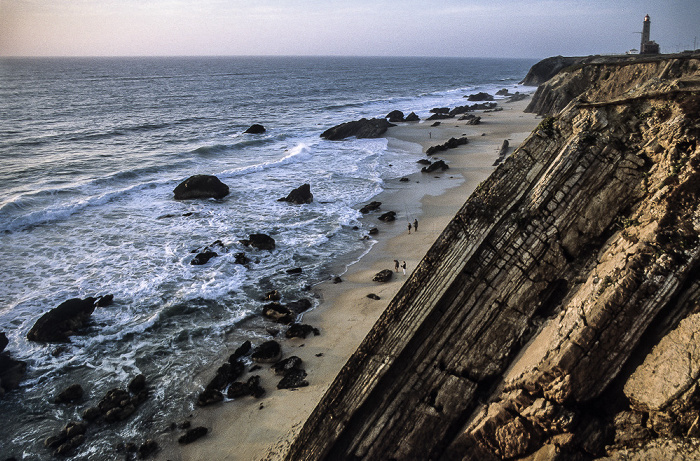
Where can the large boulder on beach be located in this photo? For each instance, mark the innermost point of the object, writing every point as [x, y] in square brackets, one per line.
[388, 216]
[440, 165]
[3, 341]
[412, 117]
[383, 276]
[267, 352]
[395, 116]
[480, 96]
[371, 206]
[61, 322]
[201, 186]
[260, 242]
[255, 129]
[364, 128]
[299, 196]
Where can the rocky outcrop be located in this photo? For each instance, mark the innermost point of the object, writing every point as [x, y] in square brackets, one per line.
[452, 143]
[201, 186]
[605, 78]
[555, 317]
[60, 323]
[548, 68]
[259, 241]
[299, 196]
[395, 116]
[364, 128]
[255, 128]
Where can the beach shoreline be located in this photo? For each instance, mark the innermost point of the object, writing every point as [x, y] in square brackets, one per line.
[262, 428]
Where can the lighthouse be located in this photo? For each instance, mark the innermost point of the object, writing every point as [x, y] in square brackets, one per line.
[647, 46]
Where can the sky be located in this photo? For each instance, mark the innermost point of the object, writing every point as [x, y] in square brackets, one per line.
[462, 28]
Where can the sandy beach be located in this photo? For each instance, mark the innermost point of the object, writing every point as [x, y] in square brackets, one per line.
[251, 429]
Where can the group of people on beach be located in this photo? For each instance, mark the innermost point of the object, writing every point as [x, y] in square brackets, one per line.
[415, 226]
[402, 266]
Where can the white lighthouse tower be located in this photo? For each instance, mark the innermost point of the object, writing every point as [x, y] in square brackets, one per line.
[647, 46]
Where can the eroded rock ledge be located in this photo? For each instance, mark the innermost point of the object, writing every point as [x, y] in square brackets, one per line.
[556, 316]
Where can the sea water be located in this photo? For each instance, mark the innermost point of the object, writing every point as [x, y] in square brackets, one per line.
[90, 152]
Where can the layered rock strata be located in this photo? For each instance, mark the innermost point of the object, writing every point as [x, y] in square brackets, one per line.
[556, 315]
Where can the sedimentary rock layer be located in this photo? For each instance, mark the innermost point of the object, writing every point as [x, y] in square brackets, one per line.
[521, 329]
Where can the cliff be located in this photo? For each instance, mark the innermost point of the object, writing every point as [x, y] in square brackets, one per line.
[557, 316]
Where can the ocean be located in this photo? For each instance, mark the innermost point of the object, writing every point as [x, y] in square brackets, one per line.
[90, 152]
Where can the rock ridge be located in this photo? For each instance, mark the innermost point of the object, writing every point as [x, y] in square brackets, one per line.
[547, 321]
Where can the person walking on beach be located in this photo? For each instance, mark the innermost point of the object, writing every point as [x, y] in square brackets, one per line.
[403, 266]
[396, 265]
[415, 225]
[409, 228]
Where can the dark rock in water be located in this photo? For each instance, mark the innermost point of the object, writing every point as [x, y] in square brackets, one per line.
[193, 434]
[373, 296]
[337, 280]
[255, 129]
[277, 312]
[71, 394]
[267, 352]
[363, 128]
[103, 301]
[372, 206]
[273, 295]
[296, 270]
[439, 165]
[203, 258]
[91, 414]
[502, 92]
[3, 341]
[436, 124]
[298, 330]
[260, 242]
[412, 117]
[517, 97]
[300, 306]
[61, 322]
[241, 351]
[481, 96]
[424, 161]
[292, 379]
[11, 373]
[256, 390]
[283, 366]
[388, 216]
[395, 116]
[404, 180]
[440, 110]
[450, 144]
[147, 448]
[241, 258]
[299, 196]
[71, 436]
[226, 374]
[209, 397]
[373, 231]
[383, 276]
[201, 186]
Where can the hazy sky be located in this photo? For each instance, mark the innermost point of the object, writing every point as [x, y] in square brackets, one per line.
[510, 28]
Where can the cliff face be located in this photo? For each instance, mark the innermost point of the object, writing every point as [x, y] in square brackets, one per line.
[557, 315]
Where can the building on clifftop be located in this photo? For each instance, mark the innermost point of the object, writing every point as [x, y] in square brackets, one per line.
[647, 46]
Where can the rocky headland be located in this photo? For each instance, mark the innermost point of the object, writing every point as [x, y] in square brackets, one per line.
[556, 316]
